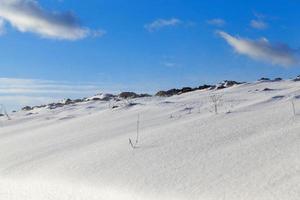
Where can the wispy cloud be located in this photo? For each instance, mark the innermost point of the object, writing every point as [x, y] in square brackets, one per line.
[162, 23]
[258, 24]
[170, 64]
[216, 22]
[260, 21]
[262, 50]
[33, 86]
[15, 93]
[29, 16]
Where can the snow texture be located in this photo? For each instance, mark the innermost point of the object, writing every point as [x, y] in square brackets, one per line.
[249, 151]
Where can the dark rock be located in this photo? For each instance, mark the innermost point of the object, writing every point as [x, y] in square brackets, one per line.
[78, 100]
[96, 99]
[52, 106]
[213, 87]
[297, 78]
[41, 106]
[128, 95]
[277, 79]
[173, 92]
[161, 94]
[144, 95]
[227, 83]
[167, 93]
[267, 89]
[27, 108]
[186, 89]
[264, 79]
[278, 97]
[167, 102]
[108, 97]
[203, 87]
[103, 97]
[132, 104]
[68, 102]
[220, 87]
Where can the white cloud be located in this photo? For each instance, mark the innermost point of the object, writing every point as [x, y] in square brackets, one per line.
[161, 23]
[29, 16]
[216, 22]
[258, 24]
[262, 50]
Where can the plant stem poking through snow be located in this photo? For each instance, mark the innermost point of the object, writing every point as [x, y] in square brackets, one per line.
[134, 145]
[137, 129]
[3, 112]
[216, 101]
[293, 106]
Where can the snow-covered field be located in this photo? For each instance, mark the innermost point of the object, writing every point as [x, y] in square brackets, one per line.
[249, 151]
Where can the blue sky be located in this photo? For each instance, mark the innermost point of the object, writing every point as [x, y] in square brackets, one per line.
[142, 45]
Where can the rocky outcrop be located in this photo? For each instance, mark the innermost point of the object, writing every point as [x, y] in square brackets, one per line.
[132, 95]
[27, 108]
[52, 106]
[264, 79]
[68, 102]
[203, 87]
[101, 97]
[267, 89]
[172, 92]
[183, 90]
[167, 93]
[128, 95]
[186, 89]
[227, 84]
[277, 79]
[145, 95]
[78, 100]
[297, 78]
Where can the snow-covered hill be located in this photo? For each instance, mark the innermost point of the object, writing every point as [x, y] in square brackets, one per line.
[249, 151]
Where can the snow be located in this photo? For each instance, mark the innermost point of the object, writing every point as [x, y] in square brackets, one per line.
[250, 150]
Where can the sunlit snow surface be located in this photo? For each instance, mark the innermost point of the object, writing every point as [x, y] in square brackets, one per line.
[249, 151]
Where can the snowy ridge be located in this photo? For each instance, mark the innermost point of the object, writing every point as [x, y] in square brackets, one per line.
[249, 150]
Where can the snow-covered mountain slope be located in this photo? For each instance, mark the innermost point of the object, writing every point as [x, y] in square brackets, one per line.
[250, 150]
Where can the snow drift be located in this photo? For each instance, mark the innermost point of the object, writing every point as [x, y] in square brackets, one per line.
[250, 150]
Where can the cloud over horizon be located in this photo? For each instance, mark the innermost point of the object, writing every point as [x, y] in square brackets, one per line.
[162, 23]
[29, 16]
[262, 50]
[15, 93]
